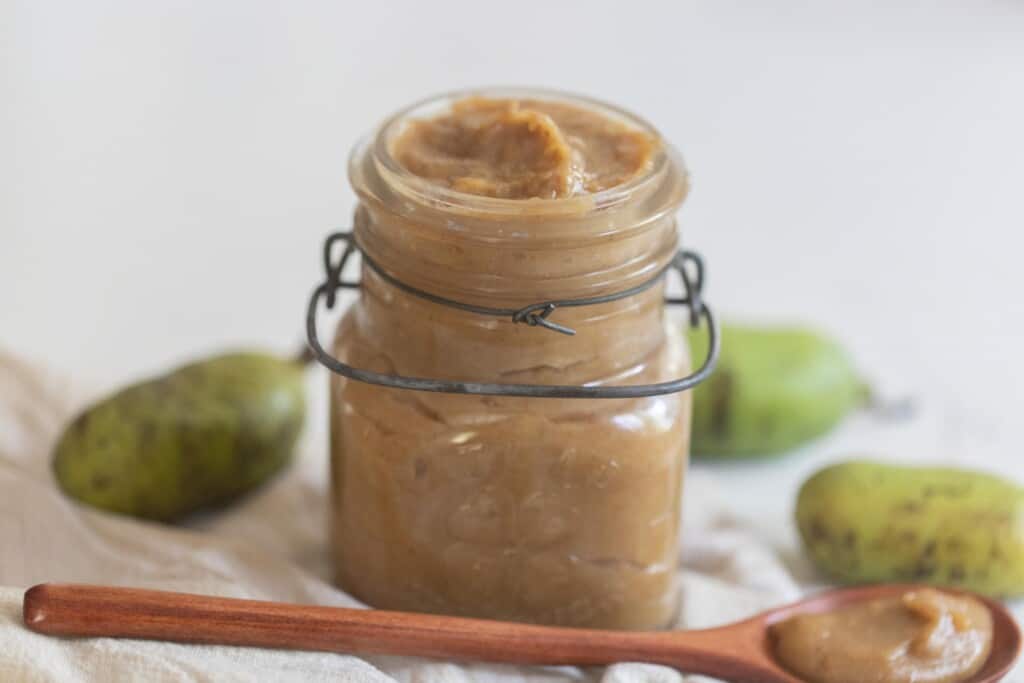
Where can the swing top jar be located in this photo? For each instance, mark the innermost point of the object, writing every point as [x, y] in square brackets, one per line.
[475, 213]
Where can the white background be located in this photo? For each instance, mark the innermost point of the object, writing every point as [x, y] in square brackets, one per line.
[168, 170]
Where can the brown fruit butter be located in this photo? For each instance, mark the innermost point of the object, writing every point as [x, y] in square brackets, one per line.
[923, 636]
[519, 149]
[559, 511]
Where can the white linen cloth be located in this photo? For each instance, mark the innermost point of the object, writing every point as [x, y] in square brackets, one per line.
[271, 546]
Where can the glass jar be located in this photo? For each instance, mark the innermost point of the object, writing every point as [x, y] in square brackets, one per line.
[548, 510]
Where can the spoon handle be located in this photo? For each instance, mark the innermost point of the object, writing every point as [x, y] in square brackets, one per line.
[83, 610]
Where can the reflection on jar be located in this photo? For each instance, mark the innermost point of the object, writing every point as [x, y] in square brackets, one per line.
[560, 511]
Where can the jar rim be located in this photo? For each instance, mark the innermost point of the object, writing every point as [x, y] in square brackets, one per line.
[424, 190]
[451, 243]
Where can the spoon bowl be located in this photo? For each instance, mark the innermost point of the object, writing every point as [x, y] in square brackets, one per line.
[742, 651]
[1006, 634]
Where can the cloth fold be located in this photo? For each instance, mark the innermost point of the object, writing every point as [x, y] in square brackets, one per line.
[271, 546]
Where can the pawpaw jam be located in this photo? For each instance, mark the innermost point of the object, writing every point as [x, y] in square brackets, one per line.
[922, 636]
[509, 421]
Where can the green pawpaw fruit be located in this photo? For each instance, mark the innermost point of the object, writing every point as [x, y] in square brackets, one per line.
[865, 521]
[773, 389]
[197, 437]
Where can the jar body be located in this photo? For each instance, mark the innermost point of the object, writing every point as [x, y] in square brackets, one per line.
[554, 511]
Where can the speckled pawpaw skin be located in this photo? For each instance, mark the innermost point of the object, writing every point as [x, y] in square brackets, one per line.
[195, 438]
[865, 521]
[773, 389]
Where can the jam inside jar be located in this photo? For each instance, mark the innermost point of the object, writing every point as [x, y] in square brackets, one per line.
[546, 510]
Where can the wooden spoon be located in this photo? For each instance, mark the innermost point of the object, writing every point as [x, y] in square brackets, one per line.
[741, 651]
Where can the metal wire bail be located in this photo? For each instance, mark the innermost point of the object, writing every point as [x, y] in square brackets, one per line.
[535, 315]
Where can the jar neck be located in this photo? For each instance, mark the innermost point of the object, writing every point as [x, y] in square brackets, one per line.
[514, 261]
